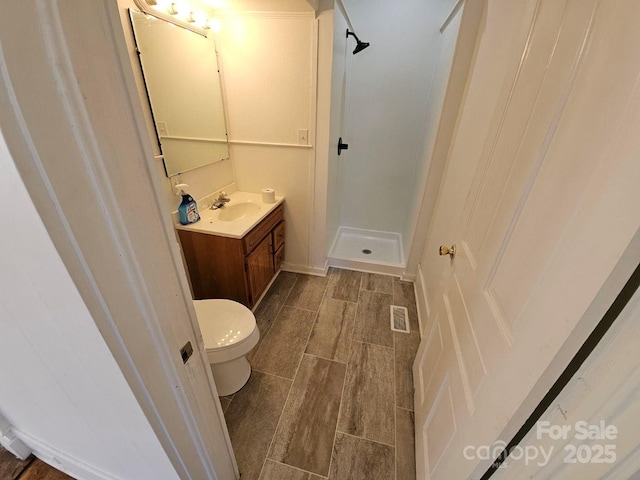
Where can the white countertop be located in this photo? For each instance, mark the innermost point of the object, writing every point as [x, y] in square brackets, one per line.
[211, 224]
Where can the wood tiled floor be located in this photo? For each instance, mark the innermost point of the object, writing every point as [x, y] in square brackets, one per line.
[331, 391]
[12, 468]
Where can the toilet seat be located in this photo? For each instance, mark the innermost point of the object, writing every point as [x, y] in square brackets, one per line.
[228, 329]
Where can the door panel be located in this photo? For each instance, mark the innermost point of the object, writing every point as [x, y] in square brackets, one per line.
[528, 213]
[429, 363]
[440, 420]
[597, 392]
[463, 330]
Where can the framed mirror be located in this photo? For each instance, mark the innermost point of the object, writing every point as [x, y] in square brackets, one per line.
[181, 75]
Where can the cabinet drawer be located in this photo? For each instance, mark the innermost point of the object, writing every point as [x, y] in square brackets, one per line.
[253, 238]
[278, 236]
[278, 258]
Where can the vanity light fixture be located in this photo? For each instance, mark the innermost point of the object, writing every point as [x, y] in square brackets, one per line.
[151, 7]
[173, 9]
[214, 24]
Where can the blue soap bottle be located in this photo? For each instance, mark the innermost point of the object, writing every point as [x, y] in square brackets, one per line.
[188, 209]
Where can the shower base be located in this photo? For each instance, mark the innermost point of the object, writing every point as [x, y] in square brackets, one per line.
[367, 250]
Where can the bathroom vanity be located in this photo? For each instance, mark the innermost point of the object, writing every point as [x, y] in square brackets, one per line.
[234, 252]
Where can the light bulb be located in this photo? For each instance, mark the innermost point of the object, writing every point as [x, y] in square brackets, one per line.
[214, 24]
[197, 17]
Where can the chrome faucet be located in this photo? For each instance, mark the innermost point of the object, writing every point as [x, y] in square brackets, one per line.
[220, 201]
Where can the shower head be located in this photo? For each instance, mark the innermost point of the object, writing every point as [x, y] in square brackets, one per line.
[361, 45]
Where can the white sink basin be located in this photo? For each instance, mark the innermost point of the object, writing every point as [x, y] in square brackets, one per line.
[236, 218]
[236, 211]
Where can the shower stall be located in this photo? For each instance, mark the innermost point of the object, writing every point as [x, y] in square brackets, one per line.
[383, 108]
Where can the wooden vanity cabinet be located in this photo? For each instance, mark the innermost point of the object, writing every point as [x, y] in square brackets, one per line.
[238, 269]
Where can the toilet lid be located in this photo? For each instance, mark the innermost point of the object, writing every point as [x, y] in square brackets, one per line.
[223, 322]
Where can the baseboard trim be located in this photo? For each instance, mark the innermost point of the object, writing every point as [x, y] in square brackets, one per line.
[13, 444]
[408, 277]
[317, 271]
[61, 461]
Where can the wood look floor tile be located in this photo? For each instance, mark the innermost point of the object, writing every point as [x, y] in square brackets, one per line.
[277, 471]
[10, 466]
[252, 419]
[405, 445]
[38, 470]
[265, 314]
[281, 287]
[377, 283]
[308, 425]
[283, 346]
[332, 332]
[405, 296]
[406, 346]
[358, 459]
[307, 292]
[372, 319]
[344, 284]
[368, 406]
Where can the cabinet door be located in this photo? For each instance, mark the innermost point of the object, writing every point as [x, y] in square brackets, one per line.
[260, 268]
[215, 265]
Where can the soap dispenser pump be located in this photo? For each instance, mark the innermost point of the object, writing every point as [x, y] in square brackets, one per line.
[188, 209]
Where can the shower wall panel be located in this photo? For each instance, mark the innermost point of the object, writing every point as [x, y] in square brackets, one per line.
[387, 95]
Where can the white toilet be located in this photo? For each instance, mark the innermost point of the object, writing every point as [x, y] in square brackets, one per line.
[229, 332]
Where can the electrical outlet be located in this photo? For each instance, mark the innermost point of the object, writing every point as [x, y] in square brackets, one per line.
[303, 137]
[162, 129]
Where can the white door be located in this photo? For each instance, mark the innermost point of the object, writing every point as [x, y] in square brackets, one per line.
[540, 198]
[605, 389]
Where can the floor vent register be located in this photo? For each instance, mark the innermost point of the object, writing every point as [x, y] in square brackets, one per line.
[399, 319]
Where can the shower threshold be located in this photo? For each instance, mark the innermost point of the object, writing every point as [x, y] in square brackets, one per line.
[367, 250]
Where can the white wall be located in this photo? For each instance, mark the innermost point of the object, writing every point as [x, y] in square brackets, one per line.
[268, 66]
[444, 40]
[320, 198]
[388, 90]
[338, 99]
[60, 387]
[267, 60]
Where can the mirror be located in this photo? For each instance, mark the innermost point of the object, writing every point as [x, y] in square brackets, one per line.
[180, 71]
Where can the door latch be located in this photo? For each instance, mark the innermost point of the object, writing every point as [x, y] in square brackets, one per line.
[186, 352]
[444, 250]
